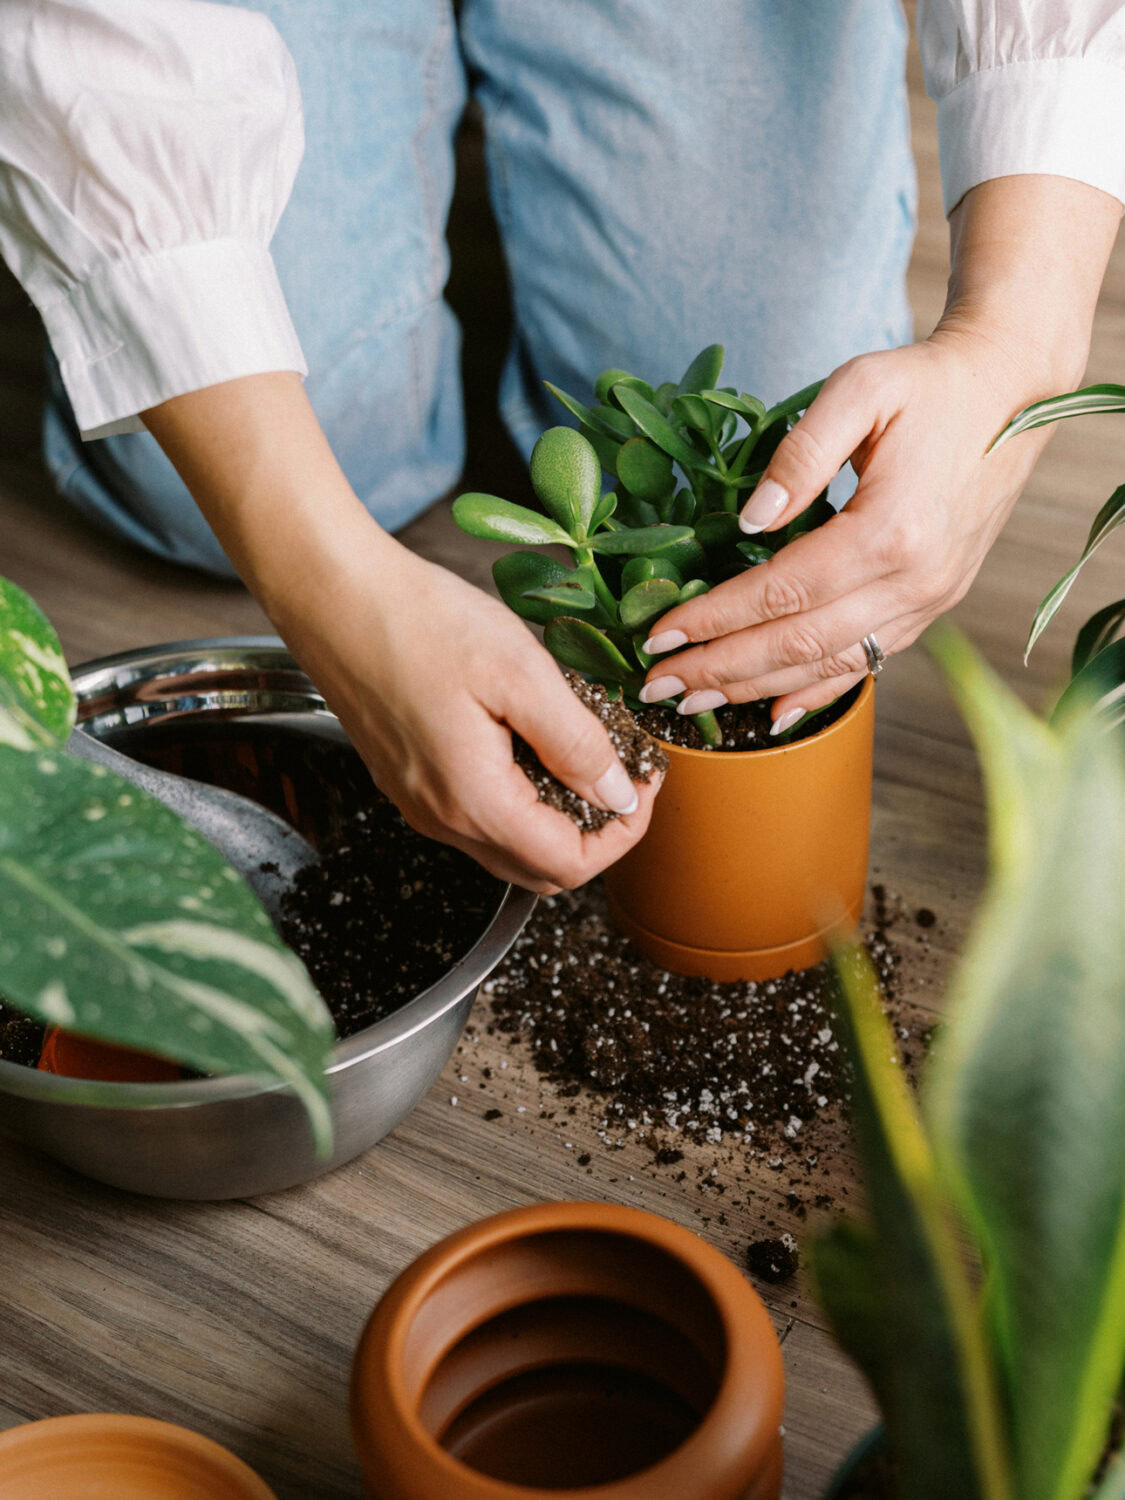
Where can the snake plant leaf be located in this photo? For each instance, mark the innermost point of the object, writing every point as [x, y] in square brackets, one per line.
[1086, 402]
[641, 569]
[1098, 688]
[36, 698]
[499, 520]
[604, 510]
[1106, 522]
[645, 471]
[1027, 1086]
[566, 474]
[704, 370]
[746, 406]
[929, 1353]
[659, 429]
[1097, 633]
[123, 923]
[645, 602]
[694, 412]
[606, 381]
[585, 649]
[639, 541]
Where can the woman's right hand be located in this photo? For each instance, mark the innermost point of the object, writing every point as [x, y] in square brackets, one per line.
[429, 675]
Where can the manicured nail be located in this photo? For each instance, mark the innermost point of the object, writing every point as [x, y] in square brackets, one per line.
[616, 791]
[787, 720]
[699, 703]
[659, 689]
[765, 505]
[667, 640]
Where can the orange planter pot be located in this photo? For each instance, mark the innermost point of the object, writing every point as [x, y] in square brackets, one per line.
[81, 1057]
[553, 1349]
[128, 1458]
[753, 857]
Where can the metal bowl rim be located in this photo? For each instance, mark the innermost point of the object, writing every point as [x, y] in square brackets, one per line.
[516, 906]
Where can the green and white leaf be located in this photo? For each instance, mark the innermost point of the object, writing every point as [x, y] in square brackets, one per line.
[36, 698]
[499, 520]
[1099, 630]
[1106, 522]
[1084, 403]
[120, 922]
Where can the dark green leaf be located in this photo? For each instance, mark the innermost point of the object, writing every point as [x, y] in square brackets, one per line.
[639, 542]
[633, 513]
[1083, 403]
[575, 592]
[687, 555]
[1106, 522]
[501, 521]
[755, 552]
[1099, 630]
[518, 574]
[36, 698]
[640, 569]
[638, 387]
[566, 475]
[658, 428]
[581, 647]
[718, 531]
[814, 515]
[746, 406]
[704, 369]
[693, 589]
[646, 601]
[693, 411]
[1098, 687]
[606, 380]
[604, 510]
[684, 508]
[665, 395]
[800, 401]
[605, 447]
[613, 423]
[644, 470]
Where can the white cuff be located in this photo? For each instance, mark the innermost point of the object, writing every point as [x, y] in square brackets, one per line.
[1064, 116]
[140, 331]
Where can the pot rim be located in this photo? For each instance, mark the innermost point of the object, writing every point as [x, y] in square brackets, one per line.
[866, 691]
[516, 906]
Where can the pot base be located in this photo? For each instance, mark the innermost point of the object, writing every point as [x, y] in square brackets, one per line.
[728, 966]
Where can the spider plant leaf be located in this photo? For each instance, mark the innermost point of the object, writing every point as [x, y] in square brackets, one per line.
[645, 471]
[659, 429]
[1086, 402]
[1106, 522]
[124, 924]
[704, 370]
[1097, 633]
[1099, 688]
[499, 520]
[584, 648]
[645, 602]
[566, 475]
[36, 698]
[639, 541]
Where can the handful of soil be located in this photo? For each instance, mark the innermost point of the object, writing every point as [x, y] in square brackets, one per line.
[640, 754]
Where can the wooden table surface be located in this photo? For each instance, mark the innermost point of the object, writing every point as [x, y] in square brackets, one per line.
[239, 1319]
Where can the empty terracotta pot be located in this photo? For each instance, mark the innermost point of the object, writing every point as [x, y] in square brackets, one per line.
[570, 1349]
[81, 1057]
[127, 1458]
[752, 858]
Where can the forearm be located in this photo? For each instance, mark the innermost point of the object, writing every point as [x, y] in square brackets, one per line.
[1028, 257]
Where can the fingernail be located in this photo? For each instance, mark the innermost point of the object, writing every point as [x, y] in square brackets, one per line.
[660, 688]
[616, 791]
[667, 640]
[765, 505]
[699, 703]
[787, 720]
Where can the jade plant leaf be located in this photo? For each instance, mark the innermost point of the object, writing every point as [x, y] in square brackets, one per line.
[1099, 630]
[1106, 522]
[638, 541]
[566, 474]
[500, 521]
[694, 412]
[746, 406]
[640, 569]
[604, 509]
[574, 592]
[123, 923]
[658, 428]
[799, 401]
[36, 698]
[583, 648]
[1027, 1086]
[644, 470]
[665, 395]
[1084, 403]
[606, 381]
[605, 447]
[634, 386]
[646, 601]
[814, 515]
[693, 589]
[755, 552]
[704, 370]
[520, 574]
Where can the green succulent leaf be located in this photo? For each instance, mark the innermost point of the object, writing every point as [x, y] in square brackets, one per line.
[718, 531]
[605, 447]
[603, 511]
[585, 649]
[814, 515]
[641, 569]
[499, 520]
[746, 406]
[693, 589]
[1106, 522]
[665, 395]
[754, 552]
[1086, 402]
[704, 370]
[636, 387]
[685, 507]
[566, 474]
[694, 412]
[656, 426]
[645, 602]
[687, 556]
[575, 592]
[123, 923]
[36, 698]
[644, 470]
[606, 381]
[1027, 1086]
[799, 401]
[1099, 688]
[640, 541]
[519, 576]
[1097, 633]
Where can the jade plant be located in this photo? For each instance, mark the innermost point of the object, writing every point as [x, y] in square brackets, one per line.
[682, 458]
[121, 922]
[1097, 663]
[984, 1292]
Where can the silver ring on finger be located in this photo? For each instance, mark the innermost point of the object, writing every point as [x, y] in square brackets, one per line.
[874, 653]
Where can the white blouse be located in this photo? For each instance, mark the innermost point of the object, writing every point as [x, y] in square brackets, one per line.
[143, 238]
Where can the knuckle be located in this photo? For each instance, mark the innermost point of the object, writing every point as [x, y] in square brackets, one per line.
[802, 645]
[781, 594]
[801, 451]
[847, 663]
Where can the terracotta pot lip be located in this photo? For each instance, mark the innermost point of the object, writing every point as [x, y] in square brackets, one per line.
[866, 692]
[512, 1225]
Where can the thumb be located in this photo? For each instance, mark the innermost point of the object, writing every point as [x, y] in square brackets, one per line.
[570, 740]
[813, 451]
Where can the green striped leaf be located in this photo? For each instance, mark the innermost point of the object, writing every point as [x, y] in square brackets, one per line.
[1084, 403]
[1106, 522]
[36, 698]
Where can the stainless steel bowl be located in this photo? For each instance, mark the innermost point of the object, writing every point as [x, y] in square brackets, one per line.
[235, 1137]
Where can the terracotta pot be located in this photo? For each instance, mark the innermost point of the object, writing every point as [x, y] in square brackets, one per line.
[564, 1346]
[80, 1057]
[752, 857]
[128, 1458]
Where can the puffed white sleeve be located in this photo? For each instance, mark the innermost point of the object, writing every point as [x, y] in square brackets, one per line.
[147, 149]
[1026, 86]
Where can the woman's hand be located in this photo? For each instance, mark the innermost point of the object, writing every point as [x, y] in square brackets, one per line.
[429, 676]
[1029, 255]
